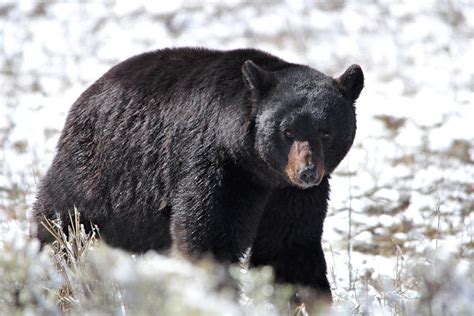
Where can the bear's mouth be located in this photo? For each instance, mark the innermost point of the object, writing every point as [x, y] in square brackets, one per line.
[306, 185]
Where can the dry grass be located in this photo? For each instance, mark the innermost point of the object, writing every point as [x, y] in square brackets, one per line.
[78, 274]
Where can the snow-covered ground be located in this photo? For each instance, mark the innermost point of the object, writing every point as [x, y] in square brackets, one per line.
[404, 192]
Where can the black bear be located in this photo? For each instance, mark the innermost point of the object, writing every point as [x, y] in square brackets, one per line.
[211, 152]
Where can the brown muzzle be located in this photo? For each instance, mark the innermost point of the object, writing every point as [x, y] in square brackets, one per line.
[301, 169]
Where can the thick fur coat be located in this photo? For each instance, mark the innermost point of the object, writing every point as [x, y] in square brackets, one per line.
[211, 152]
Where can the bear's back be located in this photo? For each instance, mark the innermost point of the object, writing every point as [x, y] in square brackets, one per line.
[165, 67]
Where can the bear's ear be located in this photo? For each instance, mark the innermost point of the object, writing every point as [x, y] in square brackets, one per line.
[257, 80]
[353, 81]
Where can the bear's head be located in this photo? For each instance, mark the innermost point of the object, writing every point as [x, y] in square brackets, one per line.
[304, 121]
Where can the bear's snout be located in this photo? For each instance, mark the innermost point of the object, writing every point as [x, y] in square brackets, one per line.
[310, 175]
[307, 174]
[301, 169]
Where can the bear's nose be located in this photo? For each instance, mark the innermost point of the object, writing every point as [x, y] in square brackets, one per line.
[307, 174]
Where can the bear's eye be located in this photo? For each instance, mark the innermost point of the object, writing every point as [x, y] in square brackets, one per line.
[289, 133]
[325, 135]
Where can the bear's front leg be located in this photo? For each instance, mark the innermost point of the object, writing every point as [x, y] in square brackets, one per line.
[289, 239]
[215, 212]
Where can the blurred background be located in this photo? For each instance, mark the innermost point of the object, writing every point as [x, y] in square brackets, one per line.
[404, 195]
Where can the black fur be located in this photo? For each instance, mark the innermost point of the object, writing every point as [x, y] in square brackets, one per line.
[185, 146]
